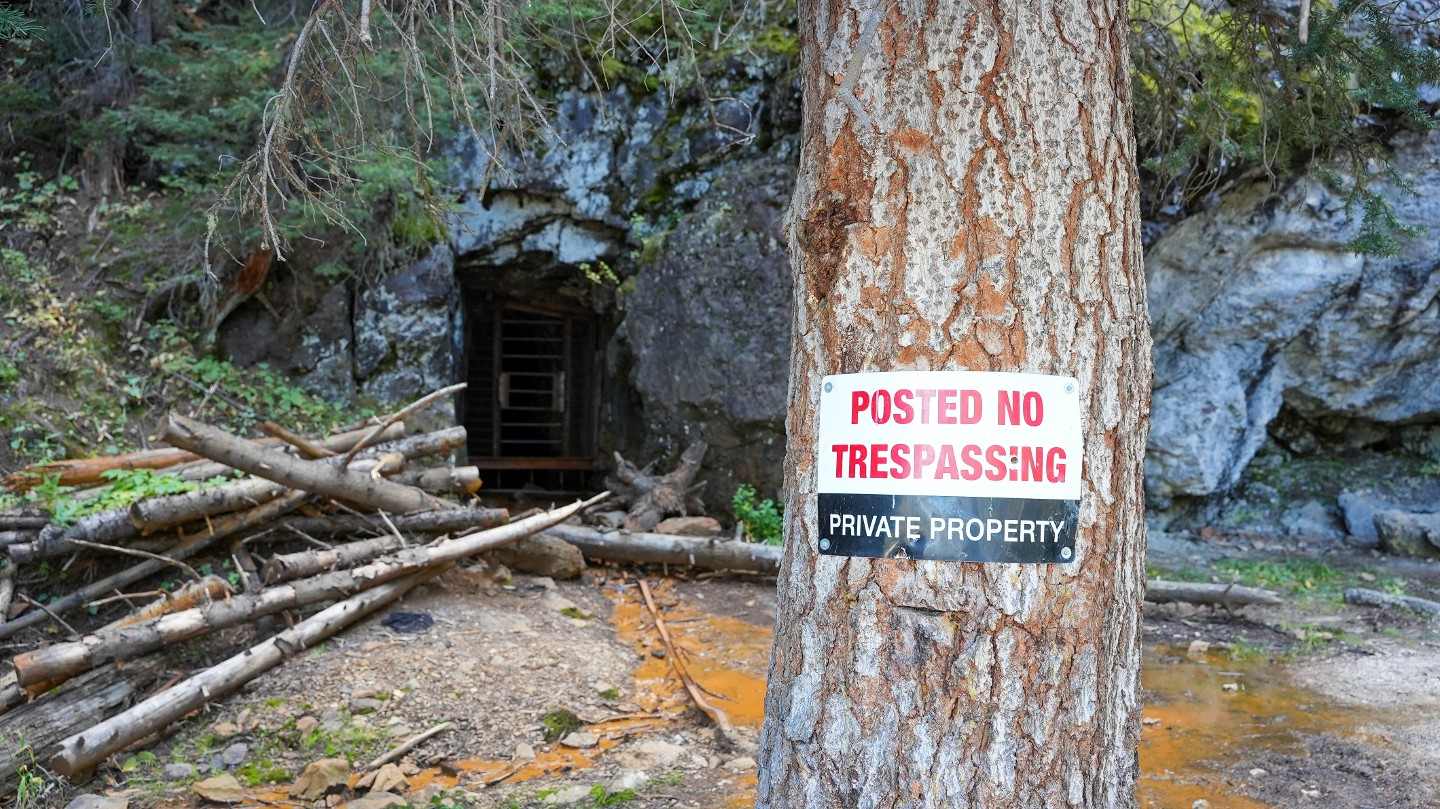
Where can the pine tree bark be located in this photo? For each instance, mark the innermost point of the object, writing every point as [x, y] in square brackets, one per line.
[966, 201]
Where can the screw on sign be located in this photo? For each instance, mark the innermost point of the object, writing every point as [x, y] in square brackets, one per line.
[950, 465]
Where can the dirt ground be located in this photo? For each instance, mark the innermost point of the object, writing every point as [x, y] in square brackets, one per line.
[1308, 704]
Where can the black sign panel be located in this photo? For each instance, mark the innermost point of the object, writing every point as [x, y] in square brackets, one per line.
[952, 529]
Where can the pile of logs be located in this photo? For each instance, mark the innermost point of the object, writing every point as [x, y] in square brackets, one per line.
[78, 700]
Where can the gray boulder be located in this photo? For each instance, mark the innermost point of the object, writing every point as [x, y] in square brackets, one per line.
[1408, 533]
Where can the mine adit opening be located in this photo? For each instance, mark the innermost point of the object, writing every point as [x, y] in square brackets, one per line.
[532, 404]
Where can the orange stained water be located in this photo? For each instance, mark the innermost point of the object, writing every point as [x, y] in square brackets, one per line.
[1207, 711]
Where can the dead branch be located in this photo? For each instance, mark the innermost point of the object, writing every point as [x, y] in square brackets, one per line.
[1226, 595]
[716, 714]
[189, 546]
[141, 637]
[313, 476]
[81, 752]
[1374, 598]
[668, 549]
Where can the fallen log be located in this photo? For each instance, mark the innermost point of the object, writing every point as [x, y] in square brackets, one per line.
[32, 732]
[1225, 595]
[205, 469]
[312, 476]
[1363, 597]
[188, 546]
[307, 563]
[82, 751]
[442, 479]
[62, 659]
[617, 546]
[429, 522]
[157, 513]
[80, 471]
[23, 521]
[18, 536]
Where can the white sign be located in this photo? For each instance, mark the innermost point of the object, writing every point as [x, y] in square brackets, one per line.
[951, 433]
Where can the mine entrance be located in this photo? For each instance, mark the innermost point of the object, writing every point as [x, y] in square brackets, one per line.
[531, 408]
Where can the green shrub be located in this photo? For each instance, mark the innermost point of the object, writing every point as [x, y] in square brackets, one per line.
[763, 520]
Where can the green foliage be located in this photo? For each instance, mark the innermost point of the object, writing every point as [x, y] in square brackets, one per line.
[15, 25]
[599, 796]
[126, 487]
[763, 520]
[578, 614]
[610, 694]
[1220, 89]
[559, 723]
[250, 394]
[1289, 574]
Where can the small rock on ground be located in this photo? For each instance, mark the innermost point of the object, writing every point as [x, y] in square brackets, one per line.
[220, 789]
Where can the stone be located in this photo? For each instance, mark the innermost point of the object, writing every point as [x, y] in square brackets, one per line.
[306, 723]
[219, 789]
[542, 555]
[1358, 509]
[234, 755]
[177, 771]
[224, 731]
[389, 778]
[741, 763]
[98, 802]
[557, 602]
[649, 754]
[331, 719]
[689, 527]
[321, 778]
[580, 739]
[1311, 520]
[377, 800]
[626, 779]
[705, 340]
[363, 705]
[407, 330]
[1407, 533]
[524, 752]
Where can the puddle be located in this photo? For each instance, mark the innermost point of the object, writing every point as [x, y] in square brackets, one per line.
[1205, 713]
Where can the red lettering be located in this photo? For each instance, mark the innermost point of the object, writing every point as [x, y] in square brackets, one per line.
[1009, 407]
[924, 456]
[971, 456]
[1030, 461]
[946, 468]
[859, 400]
[1034, 408]
[945, 410]
[839, 450]
[900, 457]
[875, 414]
[1055, 465]
[877, 460]
[996, 456]
[857, 461]
[904, 412]
[969, 407]
[925, 397]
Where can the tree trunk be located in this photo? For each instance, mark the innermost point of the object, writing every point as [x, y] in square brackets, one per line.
[966, 201]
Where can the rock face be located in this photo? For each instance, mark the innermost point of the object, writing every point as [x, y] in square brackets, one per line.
[708, 327]
[1258, 309]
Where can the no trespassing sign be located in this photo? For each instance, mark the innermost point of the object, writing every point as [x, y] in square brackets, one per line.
[950, 465]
